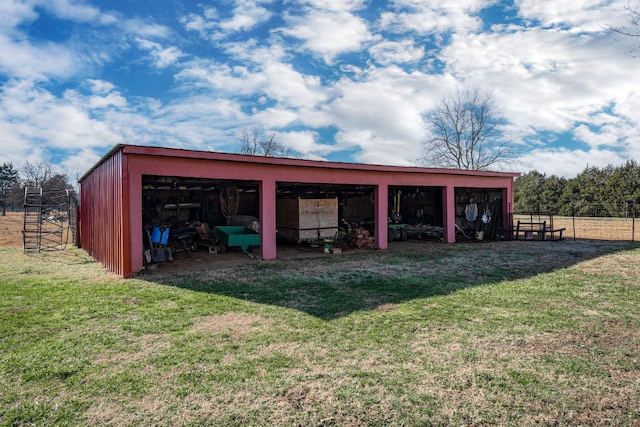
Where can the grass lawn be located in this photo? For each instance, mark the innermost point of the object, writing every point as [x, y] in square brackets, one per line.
[506, 333]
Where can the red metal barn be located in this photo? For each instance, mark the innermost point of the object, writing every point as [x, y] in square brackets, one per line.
[133, 187]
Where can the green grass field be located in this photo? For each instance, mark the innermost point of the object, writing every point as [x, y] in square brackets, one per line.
[506, 333]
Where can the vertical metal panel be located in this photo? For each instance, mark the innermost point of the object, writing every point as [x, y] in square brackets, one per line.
[381, 207]
[449, 213]
[102, 214]
[133, 169]
[267, 190]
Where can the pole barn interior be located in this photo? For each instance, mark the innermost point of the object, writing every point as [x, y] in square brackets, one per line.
[139, 199]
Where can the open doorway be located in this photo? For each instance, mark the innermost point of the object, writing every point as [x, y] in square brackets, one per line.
[479, 213]
[182, 214]
[338, 215]
[415, 213]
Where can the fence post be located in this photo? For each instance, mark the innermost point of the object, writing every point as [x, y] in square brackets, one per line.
[633, 221]
[573, 220]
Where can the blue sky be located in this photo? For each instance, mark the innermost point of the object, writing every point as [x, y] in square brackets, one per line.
[343, 80]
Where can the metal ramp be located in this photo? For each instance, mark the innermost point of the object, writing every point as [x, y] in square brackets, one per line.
[46, 219]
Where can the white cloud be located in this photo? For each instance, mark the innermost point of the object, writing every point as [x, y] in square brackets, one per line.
[15, 12]
[386, 152]
[251, 52]
[543, 79]
[576, 15]
[79, 162]
[145, 29]
[25, 56]
[74, 11]
[306, 144]
[103, 96]
[389, 52]
[335, 5]
[100, 86]
[605, 137]
[263, 74]
[383, 114]
[20, 58]
[628, 105]
[232, 81]
[615, 128]
[329, 34]
[197, 23]
[162, 56]
[439, 16]
[274, 117]
[565, 162]
[291, 88]
[35, 123]
[246, 15]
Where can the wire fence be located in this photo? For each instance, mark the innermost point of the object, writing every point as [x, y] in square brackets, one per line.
[594, 224]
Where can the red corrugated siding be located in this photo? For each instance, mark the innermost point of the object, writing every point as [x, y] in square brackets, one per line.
[102, 214]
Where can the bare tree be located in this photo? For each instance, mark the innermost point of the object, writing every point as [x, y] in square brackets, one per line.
[463, 133]
[632, 28]
[36, 174]
[255, 141]
[44, 174]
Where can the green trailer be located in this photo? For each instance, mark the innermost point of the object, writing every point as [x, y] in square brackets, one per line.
[236, 236]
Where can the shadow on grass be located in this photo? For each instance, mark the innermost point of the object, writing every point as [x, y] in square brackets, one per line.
[334, 286]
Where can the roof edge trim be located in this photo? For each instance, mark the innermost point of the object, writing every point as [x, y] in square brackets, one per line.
[281, 161]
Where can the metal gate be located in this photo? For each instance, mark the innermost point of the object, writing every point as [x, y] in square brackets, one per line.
[46, 219]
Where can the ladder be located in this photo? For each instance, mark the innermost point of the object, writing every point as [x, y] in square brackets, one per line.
[32, 227]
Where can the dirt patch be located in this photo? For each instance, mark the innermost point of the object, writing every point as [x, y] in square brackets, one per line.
[11, 226]
[387, 307]
[11, 229]
[105, 413]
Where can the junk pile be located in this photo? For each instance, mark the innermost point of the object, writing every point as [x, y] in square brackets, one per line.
[359, 238]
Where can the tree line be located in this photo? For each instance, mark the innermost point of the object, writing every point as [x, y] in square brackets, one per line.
[612, 191]
[13, 181]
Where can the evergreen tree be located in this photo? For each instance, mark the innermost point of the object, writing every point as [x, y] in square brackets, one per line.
[622, 189]
[591, 185]
[527, 192]
[551, 193]
[8, 184]
[570, 198]
[610, 191]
